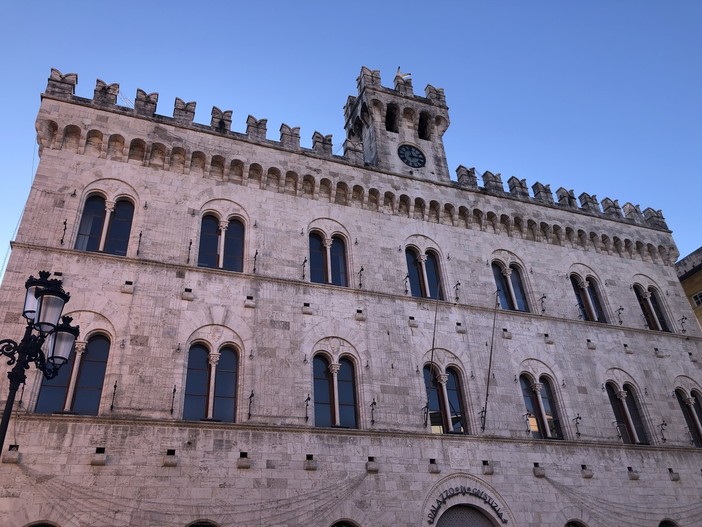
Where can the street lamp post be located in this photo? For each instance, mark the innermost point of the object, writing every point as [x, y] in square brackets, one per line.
[46, 342]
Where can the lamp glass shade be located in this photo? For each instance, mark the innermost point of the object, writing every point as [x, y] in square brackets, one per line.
[60, 345]
[49, 307]
[30, 303]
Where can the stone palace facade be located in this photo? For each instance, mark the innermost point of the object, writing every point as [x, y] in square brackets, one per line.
[274, 335]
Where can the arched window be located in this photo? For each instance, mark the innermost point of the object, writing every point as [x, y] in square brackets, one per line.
[689, 407]
[423, 274]
[464, 515]
[627, 415]
[588, 299]
[334, 393]
[105, 226]
[327, 260]
[89, 366]
[221, 244]
[540, 403]
[651, 308]
[391, 118]
[211, 384]
[444, 410]
[423, 129]
[510, 288]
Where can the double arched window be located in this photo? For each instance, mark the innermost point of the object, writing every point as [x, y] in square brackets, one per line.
[327, 259]
[627, 414]
[78, 389]
[423, 274]
[691, 409]
[105, 226]
[444, 410]
[651, 308]
[511, 292]
[221, 244]
[589, 300]
[334, 393]
[211, 384]
[542, 414]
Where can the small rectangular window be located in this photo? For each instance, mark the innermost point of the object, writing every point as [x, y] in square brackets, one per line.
[697, 298]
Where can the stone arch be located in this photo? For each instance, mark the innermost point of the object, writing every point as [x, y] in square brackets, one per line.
[177, 163]
[434, 211]
[272, 181]
[492, 222]
[325, 189]
[236, 171]
[46, 132]
[341, 196]
[115, 147]
[217, 167]
[420, 212]
[449, 216]
[308, 186]
[137, 151]
[291, 180]
[389, 202]
[158, 155]
[71, 138]
[404, 206]
[93, 143]
[198, 163]
[463, 217]
[255, 176]
[373, 199]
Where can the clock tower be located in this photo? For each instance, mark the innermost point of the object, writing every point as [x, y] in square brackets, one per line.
[396, 130]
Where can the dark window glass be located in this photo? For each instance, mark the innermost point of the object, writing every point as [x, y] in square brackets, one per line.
[347, 394]
[532, 408]
[318, 259]
[633, 407]
[322, 392]
[196, 384]
[698, 405]
[433, 276]
[549, 404]
[518, 288]
[655, 302]
[579, 297]
[434, 400]
[338, 261]
[120, 226]
[618, 410]
[234, 246]
[225, 386]
[594, 294]
[689, 418]
[90, 228]
[91, 375]
[503, 293]
[52, 394]
[414, 272]
[208, 255]
[455, 401]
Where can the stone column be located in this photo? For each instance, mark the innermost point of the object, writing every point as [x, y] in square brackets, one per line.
[222, 232]
[77, 357]
[621, 395]
[442, 378]
[546, 432]
[334, 369]
[425, 282]
[213, 359]
[690, 402]
[327, 258]
[109, 209]
[507, 273]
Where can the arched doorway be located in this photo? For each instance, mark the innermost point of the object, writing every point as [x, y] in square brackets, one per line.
[464, 516]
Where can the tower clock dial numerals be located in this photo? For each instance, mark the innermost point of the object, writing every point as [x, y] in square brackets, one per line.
[411, 156]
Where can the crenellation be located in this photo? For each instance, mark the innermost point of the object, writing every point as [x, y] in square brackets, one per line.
[542, 193]
[611, 208]
[353, 152]
[290, 137]
[105, 94]
[256, 128]
[183, 112]
[589, 203]
[403, 83]
[466, 177]
[655, 218]
[145, 104]
[633, 213]
[61, 85]
[566, 198]
[435, 95]
[322, 144]
[493, 182]
[518, 187]
[368, 78]
[221, 121]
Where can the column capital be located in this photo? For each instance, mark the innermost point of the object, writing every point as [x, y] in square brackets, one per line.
[213, 358]
[621, 395]
[223, 224]
[109, 206]
[442, 378]
[536, 386]
[334, 368]
[80, 346]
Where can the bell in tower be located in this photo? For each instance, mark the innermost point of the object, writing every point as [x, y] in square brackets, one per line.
[398, 131]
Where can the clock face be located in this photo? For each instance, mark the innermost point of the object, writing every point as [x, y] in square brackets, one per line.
[411, 156]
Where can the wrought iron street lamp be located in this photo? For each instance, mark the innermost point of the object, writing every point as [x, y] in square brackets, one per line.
[47, 342]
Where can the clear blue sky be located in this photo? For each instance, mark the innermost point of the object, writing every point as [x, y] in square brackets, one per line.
[603, 96]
